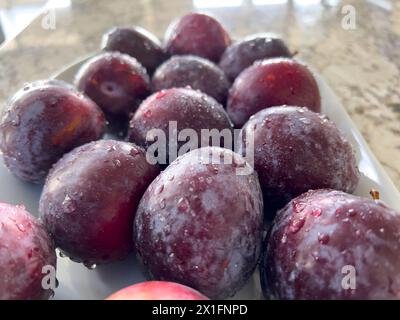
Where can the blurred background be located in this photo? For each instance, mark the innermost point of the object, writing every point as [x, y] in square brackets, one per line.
[15, 15]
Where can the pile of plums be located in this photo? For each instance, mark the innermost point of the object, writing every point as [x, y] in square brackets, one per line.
[195, 219]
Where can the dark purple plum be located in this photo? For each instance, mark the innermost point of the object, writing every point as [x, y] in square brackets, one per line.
[43, 121]
[200, 223]
[242, 54]
[270, 83]
[195, 72]
[190, 109]
[197, 34]
[90, 199]
[138, 43]
[26, 254]
[328, 244]
[115, 81]
[296, 150]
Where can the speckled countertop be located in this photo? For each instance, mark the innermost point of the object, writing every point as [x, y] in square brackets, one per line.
[362, 65]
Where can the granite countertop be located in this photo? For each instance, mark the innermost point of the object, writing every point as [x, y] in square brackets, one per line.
[362, 65]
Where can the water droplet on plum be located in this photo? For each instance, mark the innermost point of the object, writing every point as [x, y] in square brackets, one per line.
[183, 205]
[68, 204]
[323, 238]
[162, 203]
[90, 266]
[316, 212]
[351, 212]
[117, 163]
[296, 225]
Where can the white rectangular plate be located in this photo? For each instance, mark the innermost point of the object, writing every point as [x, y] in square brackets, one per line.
[78, 282]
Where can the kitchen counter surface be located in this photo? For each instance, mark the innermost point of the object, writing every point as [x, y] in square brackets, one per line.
[362, 65]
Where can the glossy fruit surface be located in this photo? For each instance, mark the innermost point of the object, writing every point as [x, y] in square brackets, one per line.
[43, 121]
[197, 34]
[296, 150]
[271, 83]
[184, 108]
[90, 199]
[200, 222]
[242, 54]
[157, 290]
[26, 251]
[195, 72]
[115, 81]
[328, 244]
[136, 42]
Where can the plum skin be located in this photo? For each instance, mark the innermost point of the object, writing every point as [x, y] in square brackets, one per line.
[25, 248]
[269, 83]
[305, 260]
[200, 224]
[136, 42]
[195, 72]
[197, 34]
[90, 198]
[189, 108]
[157, 290]
[116, 82]
[296, 150]
[44, 120]
[242, 54]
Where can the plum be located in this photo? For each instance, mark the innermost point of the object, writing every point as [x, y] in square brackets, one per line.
[197, 34]
[242, 54]
[115, 81]
[44, 120]
[200, 223]
[157, 290]
[269, 83]
[195, 72]
[90, 197]
[296, 150]
[25, 249]
[138, 43]
[189, 108]
[327, 244]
